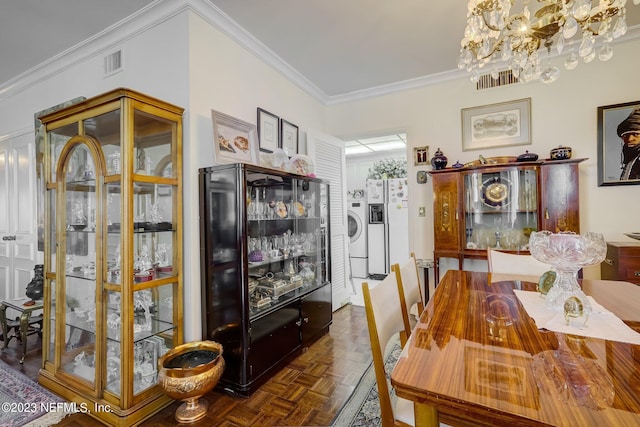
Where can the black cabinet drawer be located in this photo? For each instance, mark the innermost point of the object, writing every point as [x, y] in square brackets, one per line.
[273, 338]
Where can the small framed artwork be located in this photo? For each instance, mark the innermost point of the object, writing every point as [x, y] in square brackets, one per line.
[497, 125]
[235, 141]
[268, 131]
[288, 137]
[618, 144]
[421, 156]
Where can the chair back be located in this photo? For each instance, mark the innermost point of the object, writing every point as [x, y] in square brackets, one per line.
[506, 263]
[408, 280]
[384, 320]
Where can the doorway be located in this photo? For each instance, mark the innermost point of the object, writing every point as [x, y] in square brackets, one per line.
[378, 157]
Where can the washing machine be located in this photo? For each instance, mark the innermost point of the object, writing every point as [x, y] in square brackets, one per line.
[357, 229]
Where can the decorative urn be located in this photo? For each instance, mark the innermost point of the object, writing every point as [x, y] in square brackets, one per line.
[35, 286]
[189, 371]
[439, 160]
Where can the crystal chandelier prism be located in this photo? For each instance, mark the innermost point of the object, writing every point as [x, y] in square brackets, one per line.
[513, 33]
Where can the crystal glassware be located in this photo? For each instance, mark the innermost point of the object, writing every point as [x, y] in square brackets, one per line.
[567, 253]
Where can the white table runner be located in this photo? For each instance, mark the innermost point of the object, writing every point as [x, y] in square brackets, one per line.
[602, 323]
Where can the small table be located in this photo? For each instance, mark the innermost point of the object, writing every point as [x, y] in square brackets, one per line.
[425, 264]
[24, 323]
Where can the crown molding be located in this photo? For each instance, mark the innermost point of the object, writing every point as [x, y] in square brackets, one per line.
[153, 14]
[220, 20]
[161, 10]
[16, 133]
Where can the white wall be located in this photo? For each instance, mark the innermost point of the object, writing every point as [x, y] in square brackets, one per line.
[562, 113]
[154, 63]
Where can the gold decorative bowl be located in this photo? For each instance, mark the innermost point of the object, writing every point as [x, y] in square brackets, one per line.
[188, 372]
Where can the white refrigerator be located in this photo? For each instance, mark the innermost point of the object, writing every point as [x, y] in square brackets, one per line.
[377, 232]
[398, 220]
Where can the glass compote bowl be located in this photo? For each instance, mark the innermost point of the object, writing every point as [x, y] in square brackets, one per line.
[567, 253]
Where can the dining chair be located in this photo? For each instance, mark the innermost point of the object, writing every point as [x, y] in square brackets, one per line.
[411, 300]
[384, 320]
[516, 264]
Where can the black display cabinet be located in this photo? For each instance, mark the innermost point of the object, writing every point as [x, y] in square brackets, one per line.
[265, 262]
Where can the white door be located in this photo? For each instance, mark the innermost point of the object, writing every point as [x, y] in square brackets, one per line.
[18, 224]
[327, 153]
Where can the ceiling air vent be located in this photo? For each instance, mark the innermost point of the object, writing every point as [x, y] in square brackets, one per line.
[113, 63]
[505, 77]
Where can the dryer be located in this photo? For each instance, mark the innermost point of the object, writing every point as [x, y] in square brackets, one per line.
[357, 229]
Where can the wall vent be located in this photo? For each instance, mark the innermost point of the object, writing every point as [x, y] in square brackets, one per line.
[113, 63]
[505, 77]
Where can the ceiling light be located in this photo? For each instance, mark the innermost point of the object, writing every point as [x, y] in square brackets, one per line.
[356, 149]
[513, 31]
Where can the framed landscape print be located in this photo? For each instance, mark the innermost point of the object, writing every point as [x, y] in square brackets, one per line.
[235, 141]
[268, 131]
[288, 137]
[619, 144]
[497, 125]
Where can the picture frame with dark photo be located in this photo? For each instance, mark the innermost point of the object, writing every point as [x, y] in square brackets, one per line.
[421, 156]
[619, 144]
[235, 141]
[268, 130]
[288, 137]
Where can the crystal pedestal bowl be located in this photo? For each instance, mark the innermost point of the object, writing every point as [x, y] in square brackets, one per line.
[567, 253]
[189, 371]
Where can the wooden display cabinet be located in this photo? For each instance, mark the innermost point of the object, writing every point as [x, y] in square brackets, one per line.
[265, 261]
[498, 206]
[113, 252]
[622, 262]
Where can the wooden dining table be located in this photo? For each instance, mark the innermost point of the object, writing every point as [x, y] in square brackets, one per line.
[476, 358]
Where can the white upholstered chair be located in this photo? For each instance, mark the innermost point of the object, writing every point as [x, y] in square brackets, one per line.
[384, 320]
[505, 263]
[412, 302]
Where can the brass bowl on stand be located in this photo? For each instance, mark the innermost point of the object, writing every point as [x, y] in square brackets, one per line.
[188, 372]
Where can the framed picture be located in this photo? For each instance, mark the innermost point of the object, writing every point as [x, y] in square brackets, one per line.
[618, 139]
[497, 125]
[268, 131]
[421, 156]
[235, 141]
[288, 137]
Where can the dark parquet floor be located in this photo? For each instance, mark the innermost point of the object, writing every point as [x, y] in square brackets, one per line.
[309, 391]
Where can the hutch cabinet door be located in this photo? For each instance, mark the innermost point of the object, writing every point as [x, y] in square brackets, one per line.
[560, 197]
[445, 211]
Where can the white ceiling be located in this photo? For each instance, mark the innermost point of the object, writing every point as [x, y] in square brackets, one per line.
[338, 46]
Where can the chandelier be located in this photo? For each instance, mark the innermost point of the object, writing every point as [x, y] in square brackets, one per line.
[500, 32]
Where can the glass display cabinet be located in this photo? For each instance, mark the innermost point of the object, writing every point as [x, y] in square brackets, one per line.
[113, 224]
[265, 261]
[498, 206]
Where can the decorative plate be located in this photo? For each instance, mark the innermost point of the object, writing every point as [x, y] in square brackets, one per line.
[298, 209]
[495, 192]
[281, 209]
